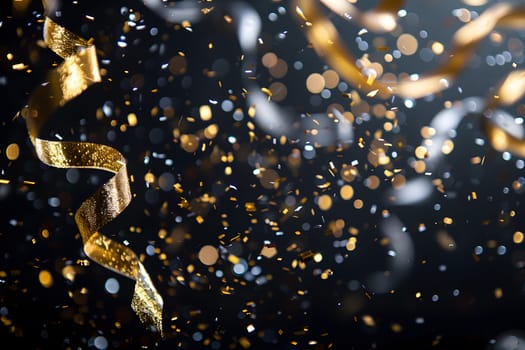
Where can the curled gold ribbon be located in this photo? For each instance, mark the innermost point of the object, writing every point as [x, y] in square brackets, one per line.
[325, 39]
[382, 18]
[499, 127]
[73, 76]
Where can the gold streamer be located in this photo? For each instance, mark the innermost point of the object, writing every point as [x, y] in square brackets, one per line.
[501, 138]
[326, 41]
[382, 18]
[73, 76]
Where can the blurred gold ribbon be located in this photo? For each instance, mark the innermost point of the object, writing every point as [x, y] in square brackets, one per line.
[498, 132]
[326, 41]
[73, 76]
[382, 18]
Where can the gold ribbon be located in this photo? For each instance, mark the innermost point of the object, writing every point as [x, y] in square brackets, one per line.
[509, 91]
[382, 18]
[73, 76]
[326, 41]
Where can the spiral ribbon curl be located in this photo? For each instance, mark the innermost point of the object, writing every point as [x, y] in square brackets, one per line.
[72, 77]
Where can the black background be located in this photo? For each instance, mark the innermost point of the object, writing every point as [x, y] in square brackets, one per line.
[59, 317]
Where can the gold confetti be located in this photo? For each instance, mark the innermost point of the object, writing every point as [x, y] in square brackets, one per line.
[517, 237]
[268, 92]
[407, 44]
[315, 83]
[205, 112]
[12, 151]
[45, 278]
[208, 255]
[268, 251]
[369, 321]
[324, 202]
[20, 66]
[346, 192]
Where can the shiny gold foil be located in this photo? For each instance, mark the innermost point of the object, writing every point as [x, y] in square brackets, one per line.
[72, 77]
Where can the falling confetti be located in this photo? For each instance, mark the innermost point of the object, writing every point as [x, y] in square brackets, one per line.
[313, 175]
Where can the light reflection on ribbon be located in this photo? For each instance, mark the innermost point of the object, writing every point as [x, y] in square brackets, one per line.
[420, 188]
[499, 127]
[332, 129]
[502, 132]
[181, 11]
[274, 119]
[402, 253]
[382, 18]
[268, 115]
[413, 191]
[326, 41]
[71, 78]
